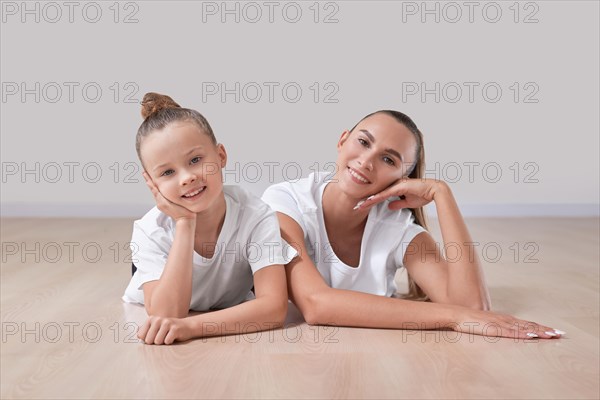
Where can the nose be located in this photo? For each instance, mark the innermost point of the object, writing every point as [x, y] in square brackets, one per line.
[188, 177]
[366, 161]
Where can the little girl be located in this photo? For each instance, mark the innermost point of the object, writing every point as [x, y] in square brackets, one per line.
[205, 245]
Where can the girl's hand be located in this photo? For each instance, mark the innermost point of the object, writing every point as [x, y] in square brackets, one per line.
[413, 193]
[161, 330]
[489, 323]
[173, 210]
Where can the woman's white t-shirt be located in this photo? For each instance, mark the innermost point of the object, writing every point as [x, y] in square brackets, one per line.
[249, 240]
[385, 239]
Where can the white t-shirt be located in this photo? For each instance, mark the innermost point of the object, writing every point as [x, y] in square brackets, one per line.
[385, 239]
[249, 240]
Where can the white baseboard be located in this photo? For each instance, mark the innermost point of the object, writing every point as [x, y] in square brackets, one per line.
[138, 210]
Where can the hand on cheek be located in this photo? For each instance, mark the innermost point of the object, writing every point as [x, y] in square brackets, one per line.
[173, 210]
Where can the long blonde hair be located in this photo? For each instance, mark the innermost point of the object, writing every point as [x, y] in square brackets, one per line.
[418, 171]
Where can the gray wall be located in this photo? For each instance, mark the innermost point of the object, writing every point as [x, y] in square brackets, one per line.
[71, 89]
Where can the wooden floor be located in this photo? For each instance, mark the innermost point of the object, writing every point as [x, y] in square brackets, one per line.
[66, 334]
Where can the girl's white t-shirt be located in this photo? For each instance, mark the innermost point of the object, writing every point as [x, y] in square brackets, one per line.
[249, 240]
[387, 235]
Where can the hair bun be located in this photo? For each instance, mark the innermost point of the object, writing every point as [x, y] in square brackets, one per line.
[154, 102]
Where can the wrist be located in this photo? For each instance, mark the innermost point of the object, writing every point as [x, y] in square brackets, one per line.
[185, 221]
[440, 189]
[194, 325]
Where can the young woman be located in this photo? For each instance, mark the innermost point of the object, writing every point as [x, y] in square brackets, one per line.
[205, 245]
[354, 230]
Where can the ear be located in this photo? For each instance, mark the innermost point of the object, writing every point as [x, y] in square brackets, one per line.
[222, 155]
[343, 139]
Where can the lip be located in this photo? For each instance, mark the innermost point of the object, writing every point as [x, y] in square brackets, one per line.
[359, 174]
[192, 191]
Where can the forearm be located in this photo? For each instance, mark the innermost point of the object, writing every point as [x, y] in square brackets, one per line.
[466, 283]
[172, 295]
[350, 308]
[251, 316]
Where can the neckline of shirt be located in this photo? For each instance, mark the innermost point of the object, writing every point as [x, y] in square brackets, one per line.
[198, 259]
[339, 264]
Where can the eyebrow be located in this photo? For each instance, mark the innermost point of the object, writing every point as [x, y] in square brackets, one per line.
[391, 151]
[187, 154]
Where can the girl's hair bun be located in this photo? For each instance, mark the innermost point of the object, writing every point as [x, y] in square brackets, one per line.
[154, 102]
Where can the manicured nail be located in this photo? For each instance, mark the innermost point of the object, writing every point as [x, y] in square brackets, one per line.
[550, 333]
[559, 332]
[360, 203]
[531, 334]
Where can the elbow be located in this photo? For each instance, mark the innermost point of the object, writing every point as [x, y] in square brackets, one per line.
[310, 317]
[314, 309]
[275, 312]
[280, 313]
[160, 306]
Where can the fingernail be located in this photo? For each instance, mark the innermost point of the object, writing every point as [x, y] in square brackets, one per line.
[559, 331]
[550, 333]
[531, 334]
[360, 203]
[370, 197]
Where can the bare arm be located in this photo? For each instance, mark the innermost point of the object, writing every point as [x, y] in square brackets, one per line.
[170, 296]
[457, 279]
[430, 270]
[323, 305]
[267, 311]
[465, 281]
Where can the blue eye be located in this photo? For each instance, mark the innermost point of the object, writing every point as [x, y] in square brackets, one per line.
[197, 160]
[165, 173]
[363, 142]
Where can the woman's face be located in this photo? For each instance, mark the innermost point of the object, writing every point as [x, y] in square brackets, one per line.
[378, 152]
[181, 159]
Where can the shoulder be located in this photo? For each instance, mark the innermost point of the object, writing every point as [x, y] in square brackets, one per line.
[304, 192]
[154, 223]
[244, 203]
[241, 197]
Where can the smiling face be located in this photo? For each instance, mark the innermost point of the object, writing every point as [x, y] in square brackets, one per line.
[379, 151]
[185, 165]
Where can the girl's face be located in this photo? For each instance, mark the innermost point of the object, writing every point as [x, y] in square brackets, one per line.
[182, 160]
[378, 152]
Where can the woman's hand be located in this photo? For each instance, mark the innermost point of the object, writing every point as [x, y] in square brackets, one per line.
[161, 330]
[173, 210]
[413, 193]
[489, 323]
